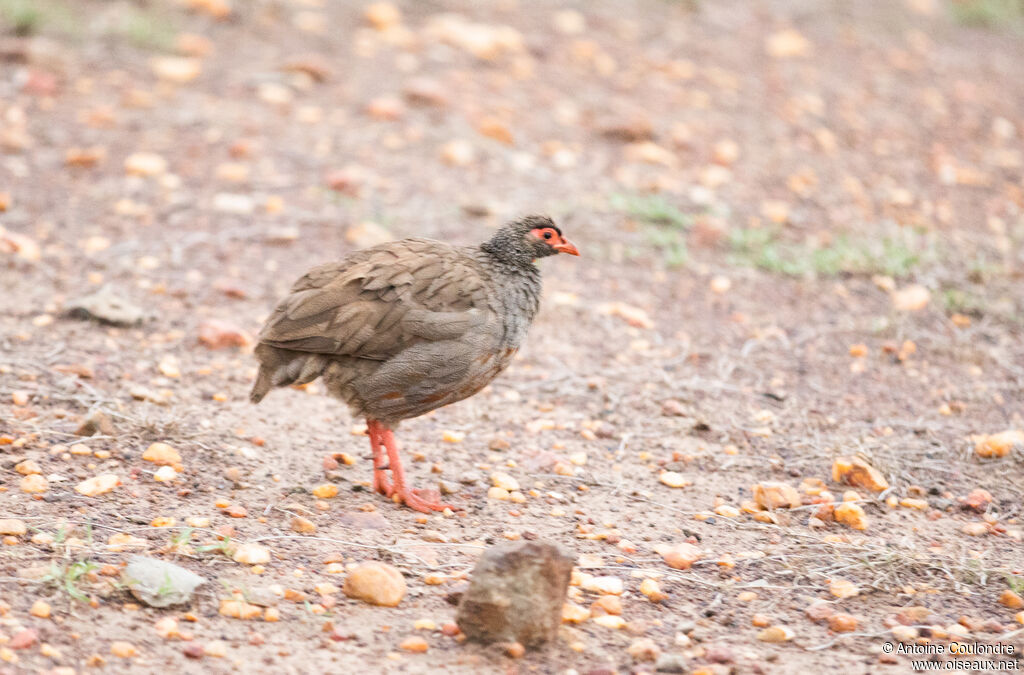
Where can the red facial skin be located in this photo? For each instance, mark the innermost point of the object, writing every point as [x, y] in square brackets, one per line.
[555, 240]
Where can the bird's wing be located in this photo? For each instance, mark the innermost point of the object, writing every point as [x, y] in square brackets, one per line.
[379, 301]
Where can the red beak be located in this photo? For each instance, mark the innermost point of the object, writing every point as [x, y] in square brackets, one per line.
[566, 246]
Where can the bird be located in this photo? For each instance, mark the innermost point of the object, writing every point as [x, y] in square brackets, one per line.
[405, 327]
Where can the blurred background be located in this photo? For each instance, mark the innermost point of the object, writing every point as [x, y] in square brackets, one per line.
[803, 139]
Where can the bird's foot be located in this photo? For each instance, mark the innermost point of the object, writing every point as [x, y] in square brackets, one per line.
[381, 484]
[424, 501]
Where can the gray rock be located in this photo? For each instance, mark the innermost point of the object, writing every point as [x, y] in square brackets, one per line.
[159, 583]
[106, 306]
[671, 663]
[516, 594]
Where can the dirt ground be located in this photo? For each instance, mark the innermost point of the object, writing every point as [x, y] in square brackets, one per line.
[801, 236]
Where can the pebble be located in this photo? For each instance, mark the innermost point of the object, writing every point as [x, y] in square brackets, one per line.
[680, 556]
[842, 588]
[165, 474]
[644, 649]
[376, 583]
[911, 298]
[673, 479]
[671, 663]
[325, 491]
[775, 495]
[842, 623]
[28, 467]
[23, 639]
[776, 634]
[98, 485]
[33, 483]
[851, 515]
[237, 608]
[504, 481]
[40, 609]
[145, 164]
[414, 644]
[251, 554]
[125, 650]
[302, 525]
[162, 454]
[159, 583]
[13, 526]
[858, 473]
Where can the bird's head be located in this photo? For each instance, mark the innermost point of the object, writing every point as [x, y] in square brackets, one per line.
[523, 241]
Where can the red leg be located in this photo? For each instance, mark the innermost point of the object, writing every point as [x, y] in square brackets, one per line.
[412, 498]
[380, 464]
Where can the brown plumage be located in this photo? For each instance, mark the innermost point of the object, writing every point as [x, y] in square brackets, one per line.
[403, 328]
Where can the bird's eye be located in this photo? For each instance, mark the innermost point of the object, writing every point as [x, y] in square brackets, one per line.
[547, 235]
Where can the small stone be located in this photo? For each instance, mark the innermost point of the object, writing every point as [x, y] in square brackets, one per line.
[978, 500]
[176, 69]
[96, 423]
[98, 485]
[904, 633]
[23, 639]
[425, 91]
[999, 445]
[911, 298]
[644, 649]
[383, 15]
[842, 623]
[376, 583]
[165, 474]
[159, 583]
[236, 608]
[162, 454]
[325, 491]
[13, 526]
[124, 650]
[573, 613]
[251, 554]
[842, 588]
[516, 594]
[671, 663]
[606, 585]
[975, 529]
[145, 164]
[193, 650]
[819, 610]
[673, 479]
[788, 43]
[34, 483]
[216, 334]
[679, 556]
[414, 644]
[28, 467]
[1011, 600]
[651, 589]
[858, 473]
[610, 621]
[504, 481]
[41, 609]
[776, 634]
[237, 204]
[458, 153]
[852, 515]
[106, 306]
[775, 495]
[302, 525]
